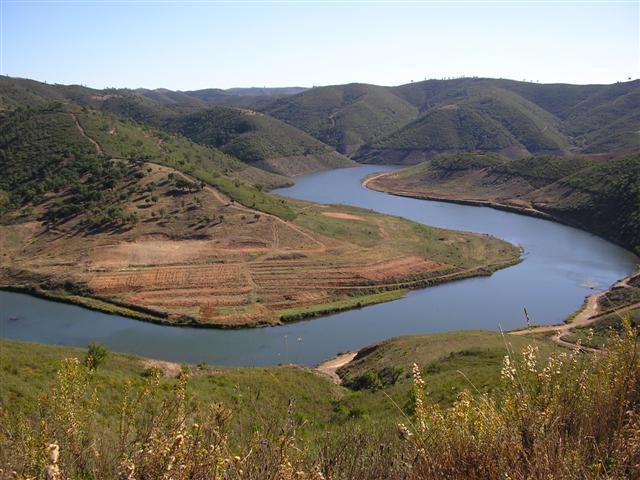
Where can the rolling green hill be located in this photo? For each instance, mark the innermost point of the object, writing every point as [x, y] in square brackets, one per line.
[400, 124]
[345, 116]
[476, 118]
[259, 140]
[587, 114]
[235, 97]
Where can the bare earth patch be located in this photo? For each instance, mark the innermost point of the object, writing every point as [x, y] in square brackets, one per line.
[331, 366]
[345, 216]
[170, 369]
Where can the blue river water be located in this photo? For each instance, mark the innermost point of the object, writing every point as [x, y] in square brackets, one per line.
[561, 265]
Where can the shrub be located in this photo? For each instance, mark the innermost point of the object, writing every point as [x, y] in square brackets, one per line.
[96, 355]
[577, 416]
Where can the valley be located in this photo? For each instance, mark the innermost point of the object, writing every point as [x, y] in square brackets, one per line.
[319, 240]
[179, 242]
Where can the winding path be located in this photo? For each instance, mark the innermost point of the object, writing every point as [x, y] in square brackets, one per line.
[588, 315]
[84, 134]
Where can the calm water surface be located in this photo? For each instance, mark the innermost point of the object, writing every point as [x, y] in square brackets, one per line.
[561, 266]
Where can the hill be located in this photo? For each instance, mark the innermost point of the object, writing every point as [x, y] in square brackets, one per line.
[401, 124]
[478, 118]
[344, 116]
[259, 140]
[22, 92]
[601, 197]
[236, 97]
[123, 218]
[583, 113]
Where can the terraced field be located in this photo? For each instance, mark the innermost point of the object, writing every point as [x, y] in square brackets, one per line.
[194, 256]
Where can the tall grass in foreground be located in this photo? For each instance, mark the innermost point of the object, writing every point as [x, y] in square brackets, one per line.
[573, 416]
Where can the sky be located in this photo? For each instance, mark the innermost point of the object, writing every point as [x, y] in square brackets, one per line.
[202, 44]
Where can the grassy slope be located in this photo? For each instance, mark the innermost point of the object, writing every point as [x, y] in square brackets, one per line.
[259, 394]
[451, 362]
[253, 394]
[345, 116]
[601, 197]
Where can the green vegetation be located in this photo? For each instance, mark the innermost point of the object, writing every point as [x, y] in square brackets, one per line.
[603, 198]
[96, 355]
[345, 116]
[485, 403]
[300, 313]
[259, 140]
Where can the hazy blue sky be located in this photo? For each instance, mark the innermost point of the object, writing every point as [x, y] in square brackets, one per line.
[198, 44]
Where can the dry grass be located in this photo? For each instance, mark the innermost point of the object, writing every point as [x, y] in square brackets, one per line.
[573, 416]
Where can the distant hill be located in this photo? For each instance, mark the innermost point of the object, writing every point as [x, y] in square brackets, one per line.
[22, 92]
[239, 97]
[265, 92]
[345, 116]
[541, 118]
[602, 197]
[404, 124]
[259, 140]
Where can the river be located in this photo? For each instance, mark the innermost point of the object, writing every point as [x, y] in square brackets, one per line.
[561, 266]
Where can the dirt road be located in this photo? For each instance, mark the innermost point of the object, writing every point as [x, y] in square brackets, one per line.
[84, 134]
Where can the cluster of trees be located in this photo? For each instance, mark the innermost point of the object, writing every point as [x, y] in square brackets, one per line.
[42, 152]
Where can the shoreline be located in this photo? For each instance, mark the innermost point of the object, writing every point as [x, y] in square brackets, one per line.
[331, 366]
[529, 212]
[384, 294]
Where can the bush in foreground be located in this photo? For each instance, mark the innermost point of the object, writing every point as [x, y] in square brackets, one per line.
[574, 416]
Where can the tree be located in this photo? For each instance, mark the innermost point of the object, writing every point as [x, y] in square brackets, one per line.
[96, 355]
